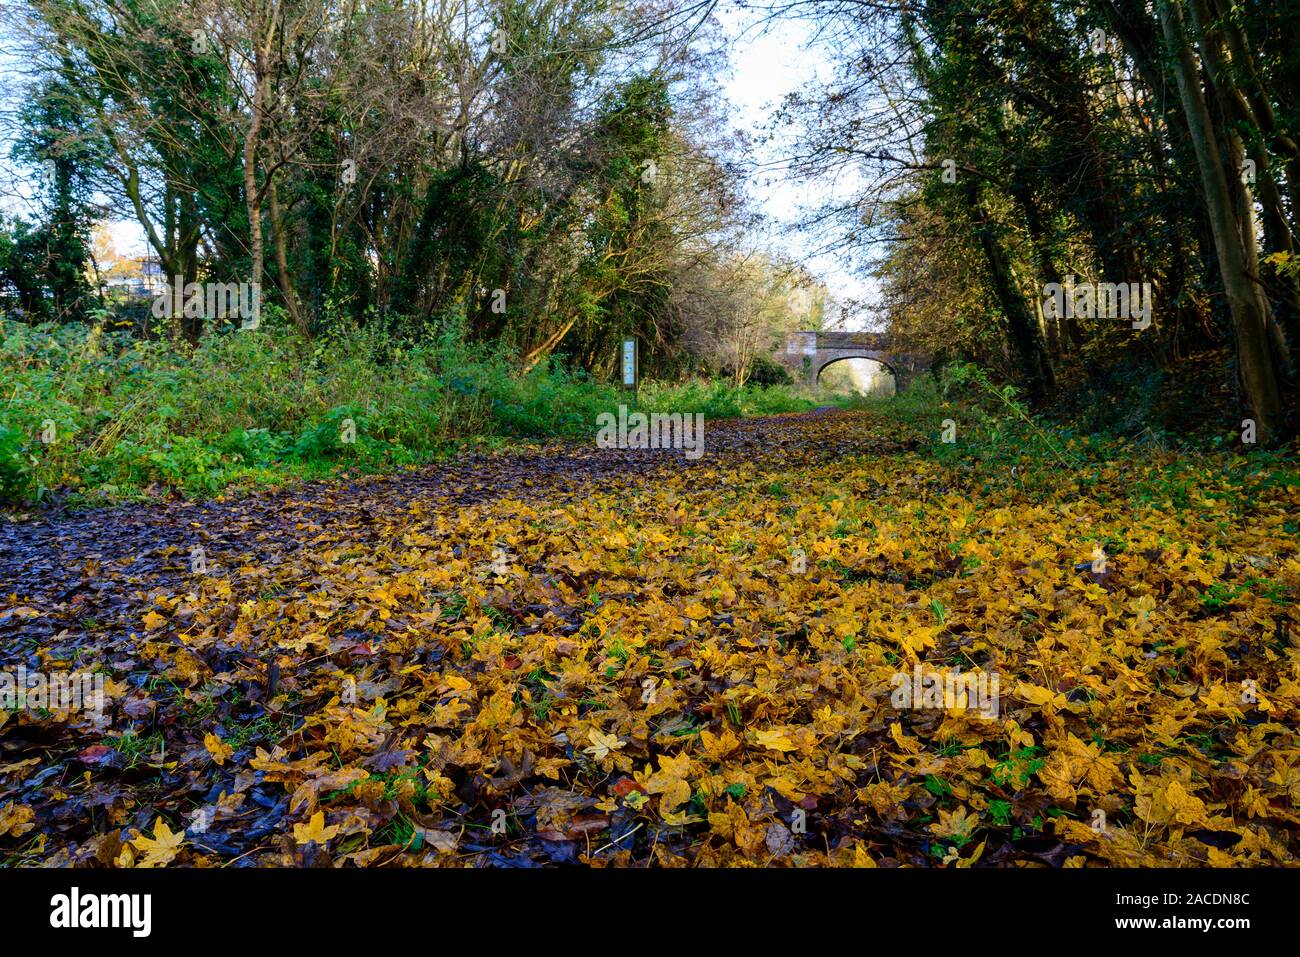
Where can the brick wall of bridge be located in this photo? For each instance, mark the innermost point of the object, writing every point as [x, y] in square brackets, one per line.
[806, 354]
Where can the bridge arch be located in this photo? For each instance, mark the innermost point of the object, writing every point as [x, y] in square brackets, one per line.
[885, 363]
[807, 352]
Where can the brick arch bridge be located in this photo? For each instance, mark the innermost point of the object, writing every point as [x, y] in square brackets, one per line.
[807, 353]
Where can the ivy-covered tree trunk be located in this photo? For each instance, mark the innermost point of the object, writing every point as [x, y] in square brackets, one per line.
[1026, 344]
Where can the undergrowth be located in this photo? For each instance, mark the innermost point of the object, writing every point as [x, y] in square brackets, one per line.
[91, 417]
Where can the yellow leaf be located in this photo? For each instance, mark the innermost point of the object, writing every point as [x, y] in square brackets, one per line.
[602, 744]
[909, 745]
[1077, 763]
[161, 849]
[315, 830]
[717, 746]
[1170, 804]
[219, 750]
[952, 824]
[674, 796]
[1041, 697]
[978, 853]
[776, 739]
[16, 819]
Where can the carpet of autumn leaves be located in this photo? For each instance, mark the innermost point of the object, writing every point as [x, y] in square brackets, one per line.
[615, 657]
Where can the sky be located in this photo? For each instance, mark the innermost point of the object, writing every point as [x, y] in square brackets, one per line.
[768, 62]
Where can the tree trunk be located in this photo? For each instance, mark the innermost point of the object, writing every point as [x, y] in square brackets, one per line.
[282, 260]
[252, 197]
[1040, 380]
[1246, 304]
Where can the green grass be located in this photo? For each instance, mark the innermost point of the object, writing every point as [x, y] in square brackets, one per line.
[106, 418]
[722, 400]
[94, 417]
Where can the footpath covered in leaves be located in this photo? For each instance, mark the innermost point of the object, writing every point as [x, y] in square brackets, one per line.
[625, 657]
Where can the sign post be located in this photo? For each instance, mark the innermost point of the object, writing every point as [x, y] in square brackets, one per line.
[631, 367]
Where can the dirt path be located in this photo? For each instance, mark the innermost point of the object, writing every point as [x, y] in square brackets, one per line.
[90, 565]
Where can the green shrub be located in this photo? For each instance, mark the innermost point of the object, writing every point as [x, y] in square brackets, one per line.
[15, 465]
[722, 400]
[765, 371]
[243, 406]
[132, 416]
